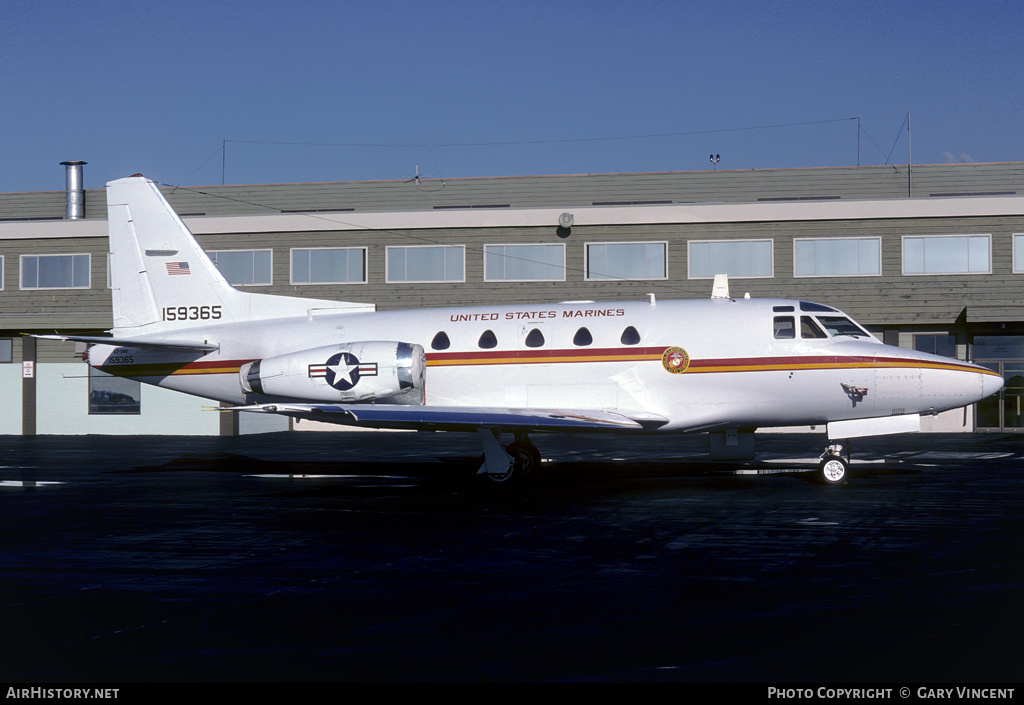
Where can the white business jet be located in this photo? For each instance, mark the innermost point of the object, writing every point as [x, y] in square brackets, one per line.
[723, 366]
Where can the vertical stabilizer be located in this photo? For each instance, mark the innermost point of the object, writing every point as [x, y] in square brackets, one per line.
[162, 280]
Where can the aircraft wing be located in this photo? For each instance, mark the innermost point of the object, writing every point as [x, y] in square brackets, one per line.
[463, 418]
[131, 343]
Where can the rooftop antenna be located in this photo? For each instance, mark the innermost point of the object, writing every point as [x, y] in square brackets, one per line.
[910, 178]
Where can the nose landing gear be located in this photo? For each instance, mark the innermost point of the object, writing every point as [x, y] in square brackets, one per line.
[833, 468]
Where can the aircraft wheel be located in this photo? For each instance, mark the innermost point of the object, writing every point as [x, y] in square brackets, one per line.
[525, 455]
[834, 469]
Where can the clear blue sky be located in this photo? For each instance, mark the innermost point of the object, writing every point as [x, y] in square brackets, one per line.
[312, 90]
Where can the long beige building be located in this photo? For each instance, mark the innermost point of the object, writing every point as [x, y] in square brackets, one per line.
[930, 258]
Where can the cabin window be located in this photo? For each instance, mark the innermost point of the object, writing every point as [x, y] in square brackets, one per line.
[737, 258]
[947, 254]
[488, 340]
[837, 257]
[429, 263]
[630, 336]
[936, 344]
[626, 260]
[784, 328]
[534, 338]
[243, 267]
[329, 265]
[810, 329]
[55, 271]
[524, 263]
[582, 337]
[440, 341]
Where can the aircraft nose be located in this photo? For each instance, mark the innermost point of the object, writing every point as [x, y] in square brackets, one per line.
[991, 383]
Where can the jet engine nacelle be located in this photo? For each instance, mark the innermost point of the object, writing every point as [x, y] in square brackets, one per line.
[377, 371]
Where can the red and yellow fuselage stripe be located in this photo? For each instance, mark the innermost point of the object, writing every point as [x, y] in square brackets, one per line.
[584, 355]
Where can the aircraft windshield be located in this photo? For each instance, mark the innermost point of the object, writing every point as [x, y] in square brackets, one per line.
[841, 325]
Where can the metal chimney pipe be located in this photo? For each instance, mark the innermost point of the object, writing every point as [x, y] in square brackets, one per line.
[75, 189]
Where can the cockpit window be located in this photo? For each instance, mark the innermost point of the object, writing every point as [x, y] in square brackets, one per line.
[811, 306]
[841, 325]
[810, 329]
[784, 328]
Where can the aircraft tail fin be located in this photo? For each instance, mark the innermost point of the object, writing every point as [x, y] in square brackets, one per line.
[160, 276]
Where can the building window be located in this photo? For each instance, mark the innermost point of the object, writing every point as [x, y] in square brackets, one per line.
[946, 254]
[627, 260]
[737, 258]
[936, 344]
[442, 263]
[329, 265]
[6, 350]
[244, 267]
[839, 257]
[55, 271]
[110, 395]
[1, 272]
[524, 263]
[1018, 253]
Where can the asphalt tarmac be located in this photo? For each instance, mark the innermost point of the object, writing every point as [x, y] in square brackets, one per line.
[377, 557]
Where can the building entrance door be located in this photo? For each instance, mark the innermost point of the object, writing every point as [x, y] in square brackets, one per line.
[1005, 355]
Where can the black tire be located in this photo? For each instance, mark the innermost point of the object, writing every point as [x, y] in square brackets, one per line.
[833, 470]
[525, 459]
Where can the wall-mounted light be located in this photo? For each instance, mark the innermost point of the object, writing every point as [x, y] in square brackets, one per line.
[564, 225]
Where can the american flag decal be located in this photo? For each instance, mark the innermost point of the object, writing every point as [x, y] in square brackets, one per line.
[178, 268]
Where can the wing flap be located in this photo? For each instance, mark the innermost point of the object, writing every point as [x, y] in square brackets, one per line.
[461, 418]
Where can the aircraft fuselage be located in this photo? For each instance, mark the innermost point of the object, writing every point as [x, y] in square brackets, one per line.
[702, 365]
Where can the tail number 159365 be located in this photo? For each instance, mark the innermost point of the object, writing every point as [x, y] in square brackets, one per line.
[190, 313]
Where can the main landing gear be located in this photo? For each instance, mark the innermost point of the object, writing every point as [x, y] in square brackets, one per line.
[504, 464]
[833, 468]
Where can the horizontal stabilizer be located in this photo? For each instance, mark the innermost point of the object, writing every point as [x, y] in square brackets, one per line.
[130, 343]
[458, 418]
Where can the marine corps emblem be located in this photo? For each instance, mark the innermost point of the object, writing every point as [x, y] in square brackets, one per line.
[675, 360]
